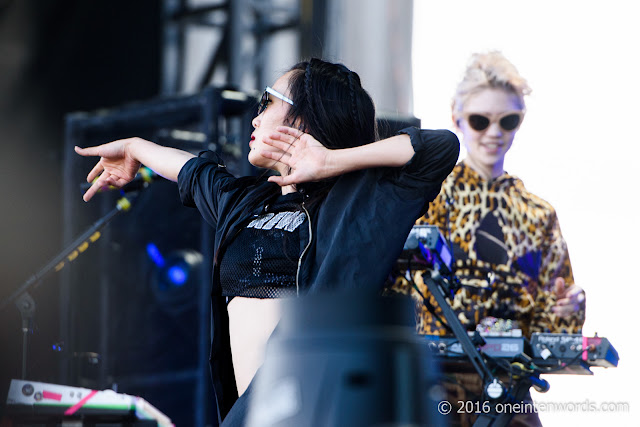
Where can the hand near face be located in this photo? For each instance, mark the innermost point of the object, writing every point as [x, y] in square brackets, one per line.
[307, 158]
[116, 166]
[570, 299]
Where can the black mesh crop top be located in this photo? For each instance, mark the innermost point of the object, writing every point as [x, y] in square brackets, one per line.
[262, 259]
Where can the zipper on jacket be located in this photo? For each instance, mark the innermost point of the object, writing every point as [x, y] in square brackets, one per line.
[304, 251]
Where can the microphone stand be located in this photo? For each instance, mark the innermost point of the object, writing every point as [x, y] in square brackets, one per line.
[27, 307]
[25, 303]
[493, 388]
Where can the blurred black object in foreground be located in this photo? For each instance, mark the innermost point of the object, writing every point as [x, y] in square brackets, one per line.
[345, 359]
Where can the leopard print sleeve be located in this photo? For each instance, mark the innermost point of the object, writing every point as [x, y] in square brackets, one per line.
[555, 263]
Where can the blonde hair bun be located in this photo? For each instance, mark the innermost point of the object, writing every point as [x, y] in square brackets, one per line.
[489, 70]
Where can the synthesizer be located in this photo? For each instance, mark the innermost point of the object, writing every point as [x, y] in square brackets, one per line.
[434, 249]
[550, 350]
[36, 401]
[553, 353]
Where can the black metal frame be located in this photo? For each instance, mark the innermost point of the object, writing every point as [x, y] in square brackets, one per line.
[225, 19]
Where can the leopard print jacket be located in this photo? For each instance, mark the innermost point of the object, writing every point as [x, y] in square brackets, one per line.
[508, 249]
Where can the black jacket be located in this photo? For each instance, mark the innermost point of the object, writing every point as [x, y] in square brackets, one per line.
[357, 231]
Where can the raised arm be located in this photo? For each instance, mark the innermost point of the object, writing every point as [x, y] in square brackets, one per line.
[120, 160]
[309, 160]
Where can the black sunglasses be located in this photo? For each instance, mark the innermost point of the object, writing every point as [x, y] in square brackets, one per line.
[508, 121]
[264, 101]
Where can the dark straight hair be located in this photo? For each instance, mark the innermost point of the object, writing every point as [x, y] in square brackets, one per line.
[330, 104]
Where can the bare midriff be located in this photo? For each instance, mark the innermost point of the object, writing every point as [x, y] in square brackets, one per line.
[251, 322]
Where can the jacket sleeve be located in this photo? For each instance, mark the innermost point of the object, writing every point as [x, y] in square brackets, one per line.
[369, 213]
[555, 263]
[200, 183]
[436, 153]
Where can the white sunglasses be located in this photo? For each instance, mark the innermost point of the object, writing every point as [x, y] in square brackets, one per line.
[264, 101]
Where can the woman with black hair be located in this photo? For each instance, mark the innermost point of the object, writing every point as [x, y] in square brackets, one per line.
[336, 216]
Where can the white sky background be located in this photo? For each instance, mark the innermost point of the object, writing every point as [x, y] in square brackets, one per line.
[577, 149]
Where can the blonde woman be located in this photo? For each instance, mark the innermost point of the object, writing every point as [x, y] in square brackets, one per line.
[510, 257]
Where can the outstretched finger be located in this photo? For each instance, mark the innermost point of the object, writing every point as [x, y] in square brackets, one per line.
[279, 156]
[275, 141]
[95, 187]
[104, 182]
[89, 151]
[296, 133]
[282, 181]
[560, 286]
[95, 172]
